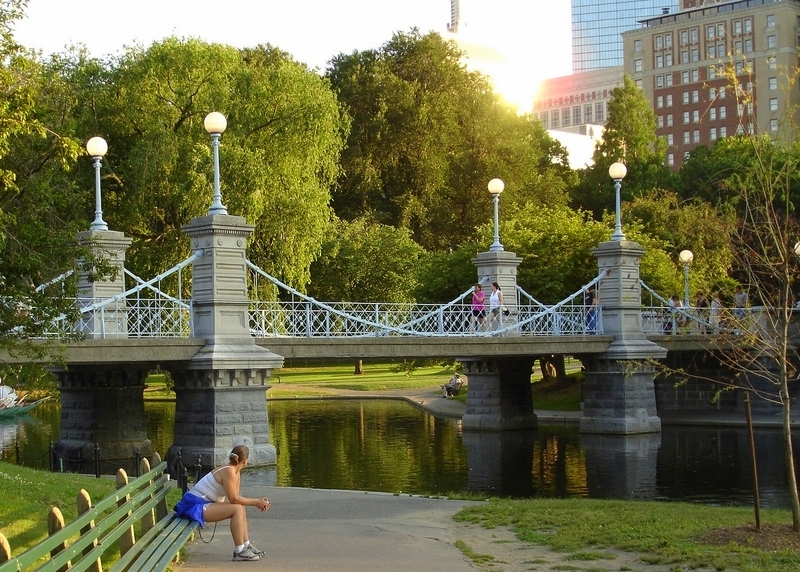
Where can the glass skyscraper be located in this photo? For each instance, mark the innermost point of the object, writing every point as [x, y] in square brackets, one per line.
[597, 25]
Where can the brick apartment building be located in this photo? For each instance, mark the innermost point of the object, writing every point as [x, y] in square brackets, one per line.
[677, 58]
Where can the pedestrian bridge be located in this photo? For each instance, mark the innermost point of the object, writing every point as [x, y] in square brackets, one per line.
[146, 310]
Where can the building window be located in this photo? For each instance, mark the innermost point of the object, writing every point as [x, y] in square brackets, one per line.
[668, 59]
[599, 112]
[748, 44]
[695, 96]
[773, 125]
[770, 20]
[685, 99]
[659, 102]
[723, 132]
[712, 134]
[696, 136]
[712, 93]
[739, 110]
[670, 139]
[721, 31]
[695, 75]
[723, 113]
[685, 76]
[685, 117]
[684, 36]
[711, 52]
[721, 92]
[772, 64]
[721, 50]
[544, 117]
[668, 79]
[659, 81]
[773, 83]
[587, 113]
[660, 121]
[773, 104]
[710, 32]
[693, 35]
[637, 65]
[739, 68]
[658, 42]
[712, 114]
[684, 56]
[737, 27]
[695, 55]
[772, 41]
[737, 47]
[670, 159]
[696, 116]
[576, 115]
[668, 40]
[669, 120]
[555, 119]
[669, 100]
[565, 117]
[686, 137]
[637, 45]
[748, 25]
[659, 61]
[638, 83]
[712, 72]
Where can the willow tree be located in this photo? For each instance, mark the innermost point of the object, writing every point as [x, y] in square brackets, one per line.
[278, 157]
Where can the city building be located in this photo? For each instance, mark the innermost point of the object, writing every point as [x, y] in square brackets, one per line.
[678, 59]
[571, 101]
[597, 26]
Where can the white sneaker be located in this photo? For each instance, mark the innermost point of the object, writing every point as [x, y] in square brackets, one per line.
[254, 550]
[246, 554]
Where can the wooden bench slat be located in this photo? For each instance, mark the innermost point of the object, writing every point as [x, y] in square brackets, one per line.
[155, 550]
[30, 557]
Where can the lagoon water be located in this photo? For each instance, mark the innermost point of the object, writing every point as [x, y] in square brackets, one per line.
[386, 445]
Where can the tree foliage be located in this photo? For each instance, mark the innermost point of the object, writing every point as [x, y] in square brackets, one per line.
[629, 137]
[427, 136]
[278, 156]
[364, 261]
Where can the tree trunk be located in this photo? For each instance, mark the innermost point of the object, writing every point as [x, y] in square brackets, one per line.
[791, 476]
[359, 370]
[553, 366]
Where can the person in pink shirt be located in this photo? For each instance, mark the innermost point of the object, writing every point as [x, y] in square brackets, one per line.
[478, 308]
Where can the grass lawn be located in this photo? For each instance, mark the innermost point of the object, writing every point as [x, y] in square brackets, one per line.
[28, 494]
[680, 535]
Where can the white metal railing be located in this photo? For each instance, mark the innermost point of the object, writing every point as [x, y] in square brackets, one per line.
[660, 316]
[302, 316]
[144, 311]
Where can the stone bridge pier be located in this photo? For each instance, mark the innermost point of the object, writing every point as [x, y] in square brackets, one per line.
[221, 392]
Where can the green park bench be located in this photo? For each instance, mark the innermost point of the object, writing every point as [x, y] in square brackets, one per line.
[139, 506]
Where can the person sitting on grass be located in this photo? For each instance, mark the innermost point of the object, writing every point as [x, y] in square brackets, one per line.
[216, 497]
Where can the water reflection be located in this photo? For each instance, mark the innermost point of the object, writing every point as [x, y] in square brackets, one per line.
[391, 446]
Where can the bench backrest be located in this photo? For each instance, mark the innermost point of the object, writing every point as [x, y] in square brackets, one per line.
[80, 545]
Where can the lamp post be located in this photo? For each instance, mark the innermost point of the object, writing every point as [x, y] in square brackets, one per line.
[496, 187]
[97, 148]
[686, 258]
[215, 123]
[617, 171]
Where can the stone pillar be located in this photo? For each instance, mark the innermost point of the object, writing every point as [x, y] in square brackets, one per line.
[619, 390]
[112, 322]
[221, 392]
[500, 267]
[102, 404]
[499, 396]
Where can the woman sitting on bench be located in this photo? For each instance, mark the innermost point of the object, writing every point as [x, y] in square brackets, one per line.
[216, 497]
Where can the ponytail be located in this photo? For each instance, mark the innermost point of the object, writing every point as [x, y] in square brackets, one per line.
[239, 455]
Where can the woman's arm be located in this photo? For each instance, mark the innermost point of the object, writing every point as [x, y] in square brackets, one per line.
[230, 482]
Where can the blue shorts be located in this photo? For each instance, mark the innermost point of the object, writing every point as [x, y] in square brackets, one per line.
[191, 507]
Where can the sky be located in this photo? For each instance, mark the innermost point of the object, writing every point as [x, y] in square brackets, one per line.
[533, 36]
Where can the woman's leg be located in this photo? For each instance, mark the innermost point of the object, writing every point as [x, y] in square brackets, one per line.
[217, 511]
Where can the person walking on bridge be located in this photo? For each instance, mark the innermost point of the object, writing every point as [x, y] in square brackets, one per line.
[216, 497]
[478, 308]
[495, 307]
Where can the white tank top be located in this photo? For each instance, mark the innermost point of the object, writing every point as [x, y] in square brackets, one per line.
[209, 488]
